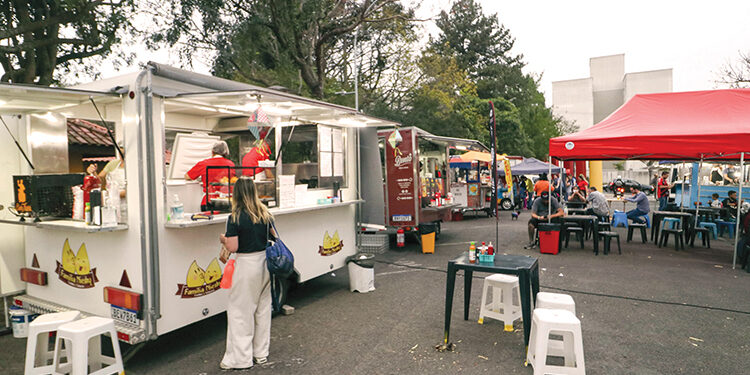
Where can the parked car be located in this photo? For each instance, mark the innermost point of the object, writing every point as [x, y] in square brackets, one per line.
[621, 186]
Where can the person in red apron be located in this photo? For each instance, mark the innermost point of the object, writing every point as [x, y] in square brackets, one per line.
[260, 151]
[219, 158]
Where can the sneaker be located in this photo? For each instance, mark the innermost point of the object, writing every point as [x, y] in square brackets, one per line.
[530, 245]
[261, 361]
[226, 367]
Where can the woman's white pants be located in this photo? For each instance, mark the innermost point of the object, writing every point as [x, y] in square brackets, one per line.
[249, 311]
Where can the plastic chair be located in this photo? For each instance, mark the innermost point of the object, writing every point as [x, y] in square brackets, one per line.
[634, 226]
[705, 237]
[679, 242]
[619, 217]
[556, 322]
[710, 226]
[503, 306]
[82, 338]
[726, 224]
[38, 356]
[607, 238]
[674, 223]
[559, 301]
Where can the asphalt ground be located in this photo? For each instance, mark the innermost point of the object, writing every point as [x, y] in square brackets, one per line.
[647, 311]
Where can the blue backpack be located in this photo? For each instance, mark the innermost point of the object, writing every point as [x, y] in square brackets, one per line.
[279, 259]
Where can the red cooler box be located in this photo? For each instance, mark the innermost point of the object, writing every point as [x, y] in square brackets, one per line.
[549, 238]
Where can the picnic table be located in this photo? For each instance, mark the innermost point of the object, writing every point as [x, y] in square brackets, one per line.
[657, 217]
[587, 221]
[526, 268]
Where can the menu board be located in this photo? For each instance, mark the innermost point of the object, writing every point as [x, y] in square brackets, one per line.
[400, 155]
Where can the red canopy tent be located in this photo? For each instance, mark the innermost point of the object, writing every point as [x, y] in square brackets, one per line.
[694, 125]
[682, 125]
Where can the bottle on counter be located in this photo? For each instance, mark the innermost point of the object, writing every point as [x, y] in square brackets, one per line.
[87, 213]
[483, 249]
[177, 209]
[472, 253]
[490, 249]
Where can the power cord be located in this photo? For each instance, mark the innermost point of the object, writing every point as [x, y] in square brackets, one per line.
[586, 292]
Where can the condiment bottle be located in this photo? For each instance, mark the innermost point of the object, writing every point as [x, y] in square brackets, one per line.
[483, 249]
[490, 249]
[472, 252]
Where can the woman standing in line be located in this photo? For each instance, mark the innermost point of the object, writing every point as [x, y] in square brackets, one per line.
[249, 309]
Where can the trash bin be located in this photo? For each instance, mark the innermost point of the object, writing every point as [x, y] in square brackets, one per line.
[549, 238]
[428, 231]
[361, 272]
[20, 319]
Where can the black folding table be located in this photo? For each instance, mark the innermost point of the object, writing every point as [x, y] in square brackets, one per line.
[525, 267]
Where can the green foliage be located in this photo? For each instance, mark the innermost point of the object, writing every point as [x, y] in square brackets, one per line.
[282, 42]
[38, 38]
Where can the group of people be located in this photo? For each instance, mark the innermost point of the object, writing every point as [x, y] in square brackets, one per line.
[562, 188]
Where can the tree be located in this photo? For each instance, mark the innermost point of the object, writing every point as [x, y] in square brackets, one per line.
[39, 36]
[268, 41]
[482, 46]
[736, 75]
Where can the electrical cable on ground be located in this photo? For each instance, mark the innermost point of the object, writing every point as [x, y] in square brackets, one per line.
[588, 293]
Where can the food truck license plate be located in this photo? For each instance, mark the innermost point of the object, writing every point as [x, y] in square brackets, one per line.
[124, 315]
[401, 217]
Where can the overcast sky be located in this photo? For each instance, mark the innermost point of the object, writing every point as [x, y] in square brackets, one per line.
[557, 38]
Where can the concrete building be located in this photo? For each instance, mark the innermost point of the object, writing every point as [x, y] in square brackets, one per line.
[587, 101]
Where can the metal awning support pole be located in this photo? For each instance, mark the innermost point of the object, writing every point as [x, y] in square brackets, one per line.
[682, 187]
[549, 189]
[698, 198]
[739, 207]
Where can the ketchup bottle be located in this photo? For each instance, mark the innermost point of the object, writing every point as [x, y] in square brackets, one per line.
[490, 249]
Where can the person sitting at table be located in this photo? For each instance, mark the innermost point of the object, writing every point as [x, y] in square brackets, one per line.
[539, 213]
[714, 202]
[598, 201]
[576, 197]
[730, 205]
[641, 205]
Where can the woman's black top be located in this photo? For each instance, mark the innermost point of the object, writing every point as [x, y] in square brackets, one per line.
[252, 237]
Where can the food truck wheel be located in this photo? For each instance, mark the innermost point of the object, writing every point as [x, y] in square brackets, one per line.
[506, 204]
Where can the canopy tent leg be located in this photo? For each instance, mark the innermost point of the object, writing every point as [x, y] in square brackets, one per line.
[549, 188]
[739, 207]
[698, 198]
[682, 187]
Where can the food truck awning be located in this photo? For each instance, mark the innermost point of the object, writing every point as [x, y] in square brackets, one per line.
[470, 156]
[290, 108]
[457, 143]
[22, 99]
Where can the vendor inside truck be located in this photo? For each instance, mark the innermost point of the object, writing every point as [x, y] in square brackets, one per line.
[219, 158]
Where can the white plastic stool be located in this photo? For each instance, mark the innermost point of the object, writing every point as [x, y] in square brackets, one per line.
[503, 306]
[557, 322]
[38, 356]
[82, 338]
[560, 301]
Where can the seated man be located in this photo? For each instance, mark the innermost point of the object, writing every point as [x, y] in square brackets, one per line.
[599, 206]
[539, 213]
[641, 206]
[730, 205]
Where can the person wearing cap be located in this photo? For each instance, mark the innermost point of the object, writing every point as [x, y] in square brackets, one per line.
[219, 158]
[540, 213]
[261, 151]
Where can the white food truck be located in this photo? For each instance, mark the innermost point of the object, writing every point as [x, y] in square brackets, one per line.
[149, 269]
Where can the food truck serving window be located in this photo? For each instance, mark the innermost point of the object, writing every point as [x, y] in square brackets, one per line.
[315, 155]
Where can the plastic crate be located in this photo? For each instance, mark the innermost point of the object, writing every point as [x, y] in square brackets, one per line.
[484, 258]
[374, 243]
